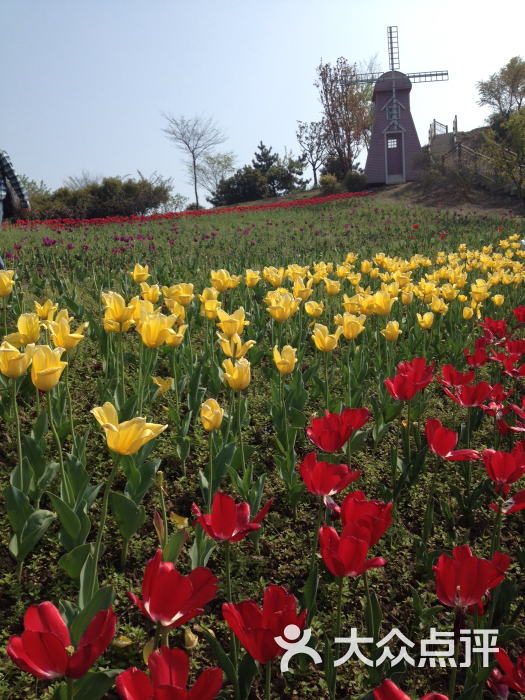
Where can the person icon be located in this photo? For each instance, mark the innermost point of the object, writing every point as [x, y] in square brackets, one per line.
[297, 647]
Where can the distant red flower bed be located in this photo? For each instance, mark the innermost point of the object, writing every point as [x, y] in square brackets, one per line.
[313, 201]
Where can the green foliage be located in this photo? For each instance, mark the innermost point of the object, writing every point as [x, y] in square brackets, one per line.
[504, 91]
[246, 185]
[329, 184]
[508, 153]
[354, 181]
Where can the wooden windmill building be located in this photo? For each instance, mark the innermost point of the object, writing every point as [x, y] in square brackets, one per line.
[394, 139]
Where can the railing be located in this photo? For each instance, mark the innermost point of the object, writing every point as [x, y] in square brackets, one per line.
[436, 128]
[463, 156]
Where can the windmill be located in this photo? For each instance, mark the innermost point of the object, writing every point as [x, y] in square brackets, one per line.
[394, 138]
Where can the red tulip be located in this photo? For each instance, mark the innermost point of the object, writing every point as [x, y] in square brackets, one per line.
[415, 226]
[478, 359]
[44, 649]
[452, 378]
[329, 433]
[519, 314]
[256, 628]
[355, 417]
[504, 467]
[500, 689]
[346, 555]
[442, 441]
[470, 395]
[494, 331]
[463, 580]
[388, 690]
[419, 366]
[171, 598]
[323, 478]
[229, 521]
[514, 677]
[169, 671]
[411, 377]
[511, 371]
[515, 347]
[376, 516]
[512, 505]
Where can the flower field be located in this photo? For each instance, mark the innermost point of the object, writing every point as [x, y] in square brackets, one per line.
[263, 452]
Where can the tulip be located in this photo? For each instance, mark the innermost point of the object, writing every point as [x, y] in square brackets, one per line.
[514, 676]
[211, 415]
[171, 599]
[329, 433]
[117, 313]
[44, 649]
[285, 360]
[163, 384]
[257, 628]
[504, 468]
[442, 441]
[479, 291]
[332, 287]
[470, 396]
[366, 266]
[512, 505]
[388, 690]
[382, 303]
[140, 274]
[175, 339]
[252, 279]
[463, 580]
[495, 683]
[285, 307]
[300, 290]
[169, 669]
[61, 335]
[46, 311]
[155, 329]
[367, 305]
[229, 522]
[407, 298]
[313, 308]
[211, 309]
[345, 555]
[426, 320]
[219, 280]
[125, 438]
[324, 341]
[376, 516]
[352, 325]
[438, 306]
[230, 325]
[452, 378]
[234, 347]
[28, 331]
[208, 294]
[148, 293]
[13, 363]
[137, 304]
[6, 283]
[47, 367]
[294, 272]
[184, 294]
[392, 331]
[238, 376]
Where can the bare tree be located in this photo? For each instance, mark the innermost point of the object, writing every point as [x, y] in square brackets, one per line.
[313, 144]
[213, 168]
[78, 182]
[195, 136]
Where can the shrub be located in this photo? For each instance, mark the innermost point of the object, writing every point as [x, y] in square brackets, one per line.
[329, 184]
[354, 181]
[246, 185]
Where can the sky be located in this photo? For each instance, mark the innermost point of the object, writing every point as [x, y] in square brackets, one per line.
[84, 84]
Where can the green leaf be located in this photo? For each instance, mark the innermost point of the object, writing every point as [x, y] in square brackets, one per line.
[18, 507]
[509, 632]
[73, 561]
[220, 655]
[248, 668]
[92, 686]
[128, 516]
[102, 600]
[36, 526]
[68, 518]
[174, 546]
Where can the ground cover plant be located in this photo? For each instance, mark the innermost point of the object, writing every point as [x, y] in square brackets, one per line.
[298, 421]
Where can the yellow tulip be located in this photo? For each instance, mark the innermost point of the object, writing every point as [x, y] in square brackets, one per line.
[467, 313]
[407, 298]
[392, 331]
[28, 331]
[182, 293]
[383, 303]
[137, 304]
[61, 335]
[438, 306]
[140, 274]
[352, 325]
[479, 291]
[324, 268]
[392, 289]
[219, 279]
[234, 280]
[47, 367]
[6, 282]
[324, 341]
[354, 278]
[366, 266]
[171, 292]
[338, 320]
[116, 309]
[352, 304]
[343, 270]
[426, 320]
[285, 308]
[314, 309]
[498, 299]
[13, 363]
[238, 376]
[176, 338]
[176, 310]
[295, 271]
[46, 311]
[211, 308]
[402, 279]
[163, 384]
[125, 438]
[285, 360]
[374, 272]
[366, 306]
[300, 290]
[462, 297]
[232, 324]
[333, 287]
[252, 279]
[155, 329]
[449, 292]
[208, 294]
[211, 415]
[351, 258]
[234, 347]
[150, 293]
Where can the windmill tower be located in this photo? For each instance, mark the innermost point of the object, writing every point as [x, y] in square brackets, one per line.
[394, 138]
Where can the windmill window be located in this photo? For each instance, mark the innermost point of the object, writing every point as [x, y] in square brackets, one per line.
[392, 143]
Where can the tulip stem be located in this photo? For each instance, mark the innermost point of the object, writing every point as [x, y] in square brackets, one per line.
[124, 553]
[101, 526]
[239, 426]
[69, 685]
[454, 669]
[19, 568]
[497, 530]
[36, 689]
[37, 401]
[394, 465]
[210, 475]
[469, 464]
[370, 608]
[69, 402]
[327, 395]
[268, 680]
[230, 414]
[157, 636]
[349, 379]
[70, 499]
[17, 425]
[233, 642]
[316, 534]
[4, 311]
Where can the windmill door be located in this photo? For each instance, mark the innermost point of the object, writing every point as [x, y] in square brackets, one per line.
[394, 158]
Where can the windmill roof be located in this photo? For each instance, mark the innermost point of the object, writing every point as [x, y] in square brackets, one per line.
[384, 82]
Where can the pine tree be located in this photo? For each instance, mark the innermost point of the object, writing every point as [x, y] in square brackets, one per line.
[264, 159]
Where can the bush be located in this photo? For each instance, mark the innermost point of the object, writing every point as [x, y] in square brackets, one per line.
[329, 184]
[246, 185]
[193, 207]
[354, 181]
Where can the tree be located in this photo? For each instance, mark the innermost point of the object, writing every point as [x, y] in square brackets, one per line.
[265, 159]
[285, 175]
[508, 155]
[312, 140]
[196, 136]
[246, 185]
[347, 108]
[504, 91]
[213, 168]
[78, 182]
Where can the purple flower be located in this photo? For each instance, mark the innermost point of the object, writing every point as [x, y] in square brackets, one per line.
[171, 241]
[152, 246]
[70, 246]
[195, 240]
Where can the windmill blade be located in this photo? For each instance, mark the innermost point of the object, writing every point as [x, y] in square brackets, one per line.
[428, 76]
[362, 79]
[393, 48]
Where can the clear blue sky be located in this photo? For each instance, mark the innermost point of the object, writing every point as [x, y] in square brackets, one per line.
[84, 83]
